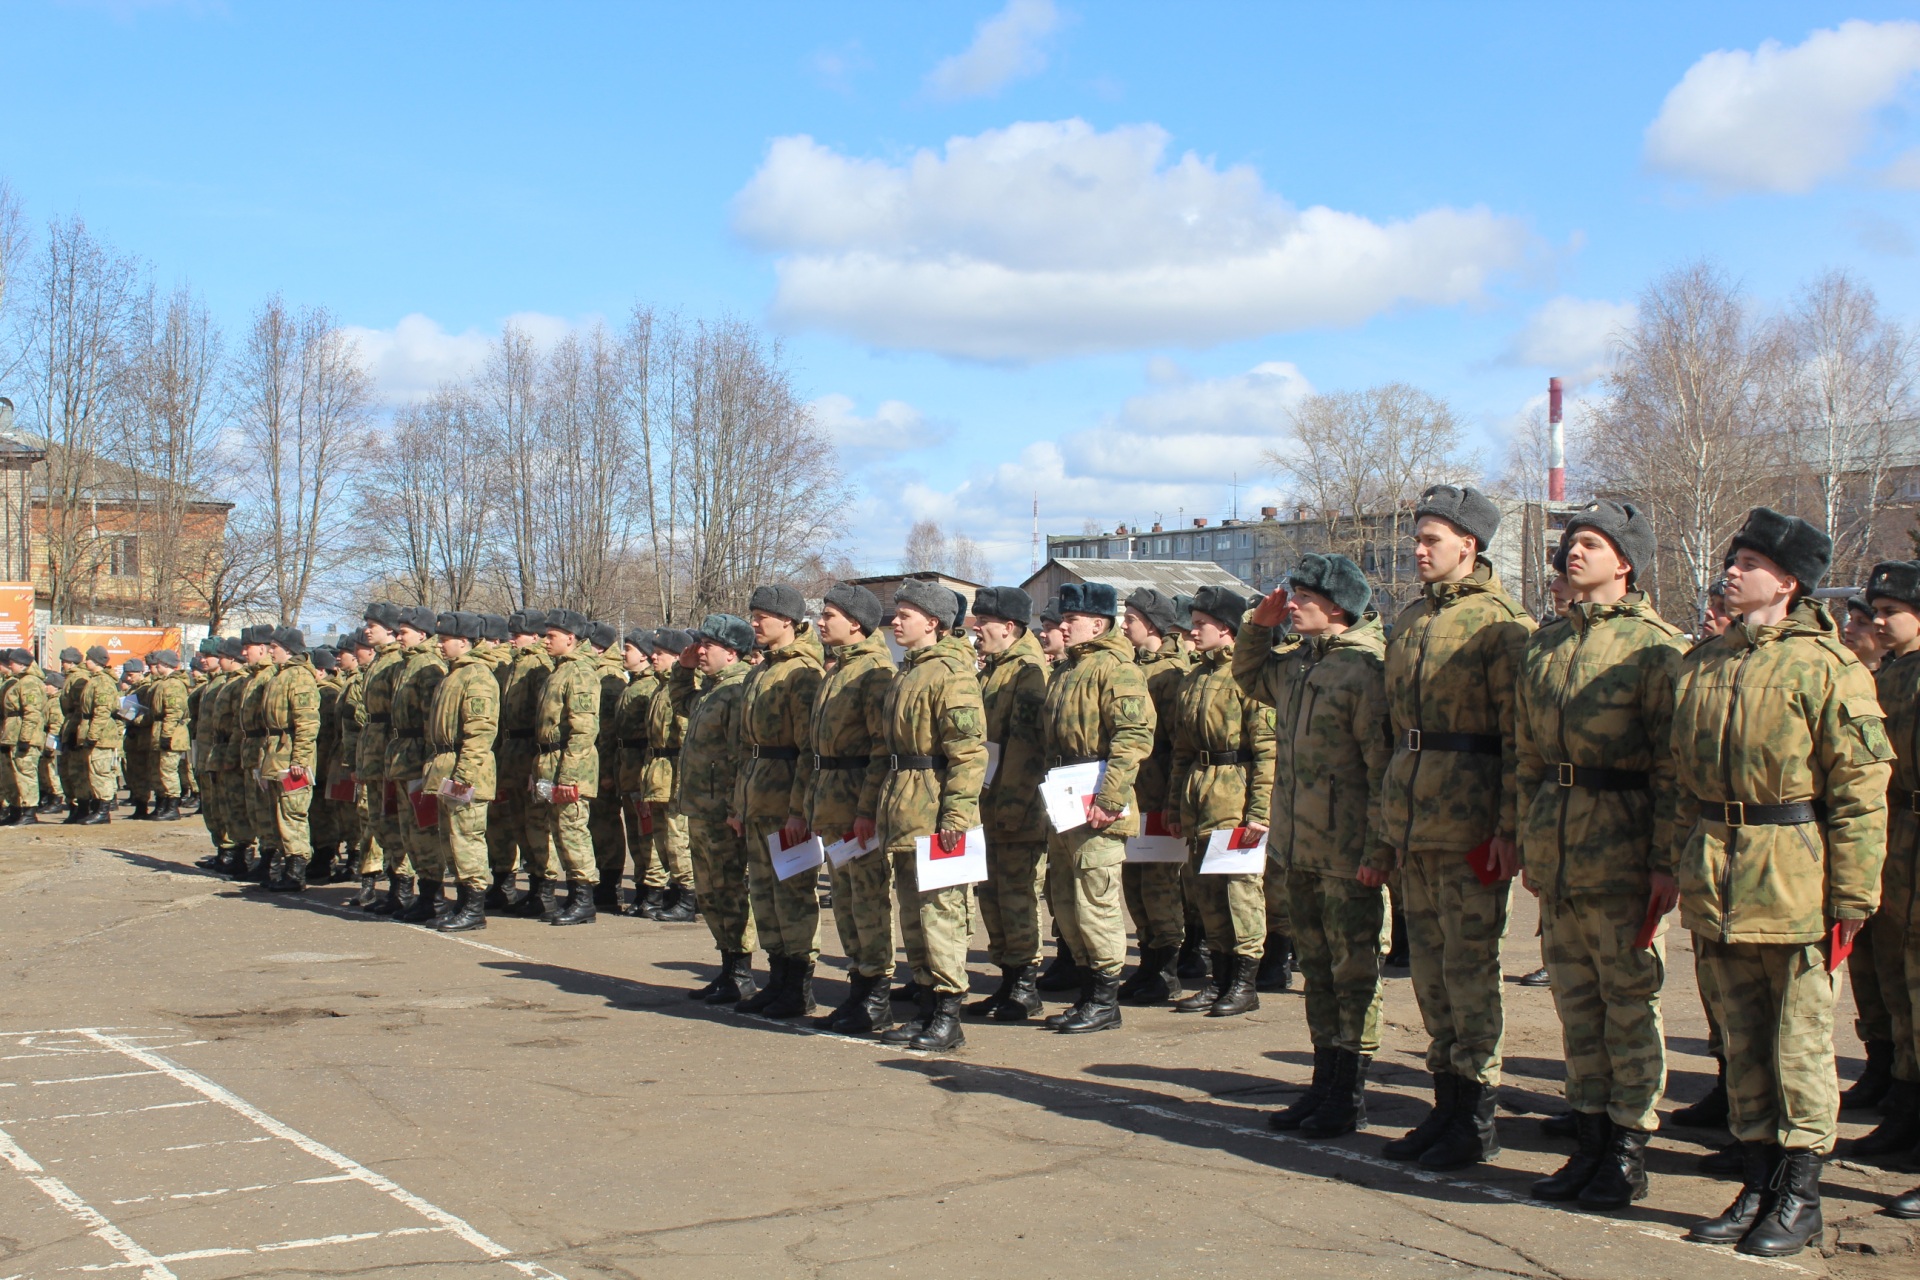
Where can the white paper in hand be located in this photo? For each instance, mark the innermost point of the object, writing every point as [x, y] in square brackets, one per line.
[1235, 851]
[993, 764]
[940, 867]
[841, 852]
[790, 858]
[1068, 792]
[1155, 843]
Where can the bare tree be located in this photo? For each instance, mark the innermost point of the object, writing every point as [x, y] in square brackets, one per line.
[507, 392]
[434, 481]
[13, 250]
[586, 512]
[229, 576]
[930, 549]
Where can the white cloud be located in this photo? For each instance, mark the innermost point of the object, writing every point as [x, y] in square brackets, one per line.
[894, 427]
[412, 359]
[1570, 336]
[1783, 119]
[1199, 431]
[1006, 47]
[1051, 239]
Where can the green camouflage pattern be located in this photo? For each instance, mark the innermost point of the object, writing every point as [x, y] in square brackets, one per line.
[1233, 909]
[1013, 688]
[849, 721]
[1607, 992]
[1773, 1003]
[1156, 899]
[710, 750]
[934, 927]
[382, 680]
[1211, 713]
[516, 749]
[666, 731]
[567, 726]
[1886, 987]
[1083, 892]
[630, 720]
[1165, 670]
[407, 751]
[167, 698]
[98, 727]
[720, 872]
[1098, 705]
[461, 726]
[290, 713]
[1455, 926]
[23, 709]
[863, 912]
[776, 710]
[933, 708]
[1336, 946]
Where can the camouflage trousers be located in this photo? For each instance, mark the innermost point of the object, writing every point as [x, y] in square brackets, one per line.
[160, 775]
[1336, 945]
[464, 830]
[1872, 1017]
[1083, 892]
[506, 820]
[9, 787]
[1010, 900]
[568, 835]
[787, 911]
[293, 834]
[50, 775]
[1607, 992]
[936, 927]
[427, 847]
[1454, 928]
[390, 828]
[138, 763]
[72, 763]
[720, 880]
[1774, 1003]
[1156, 902]
[1895, 961]
[1279, 901]
[263, 815]
[101, 770]
[371, 856]
[1233, 909]
[238, 819]
[671, 863]
[608, 834]
[863, 913]
[24, 768]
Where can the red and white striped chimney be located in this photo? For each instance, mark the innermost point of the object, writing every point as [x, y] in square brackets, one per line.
[1556, 445]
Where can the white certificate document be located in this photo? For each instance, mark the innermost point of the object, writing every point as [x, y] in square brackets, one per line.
[1234, 851]
[993, 764]
[841, 852]
[789, 860]
[940, 867]
[1154, 844]
[1068, 792]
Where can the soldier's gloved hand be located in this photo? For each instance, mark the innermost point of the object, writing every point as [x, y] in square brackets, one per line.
[864, 830]
[1272, 609]
[565, 793]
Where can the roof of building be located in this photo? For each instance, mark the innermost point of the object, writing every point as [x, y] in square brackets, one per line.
[1182, 577]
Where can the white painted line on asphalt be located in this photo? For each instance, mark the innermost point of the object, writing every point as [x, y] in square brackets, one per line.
[117, 1075]
[151, 1268]
[320, 1151]
[89, 1115]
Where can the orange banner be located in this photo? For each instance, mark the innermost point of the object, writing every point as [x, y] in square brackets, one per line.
[16, 615]
[120, 643]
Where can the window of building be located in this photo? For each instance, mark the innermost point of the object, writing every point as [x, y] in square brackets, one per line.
[1246, 540]
[123, 557]
[1183, 544]
[1162, 545]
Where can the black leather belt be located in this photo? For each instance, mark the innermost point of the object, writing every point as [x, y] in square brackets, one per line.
[520, 735]
[1737, 814]
[1899, 799]
[253, 733]
[1597, 779]
[773, 753]
[1061, 762]
[635, 744]
[409, 733]
[1474, 744]
[900, 764]
[841, 762]
[665, 753]
[378, 719]
[1209, 759]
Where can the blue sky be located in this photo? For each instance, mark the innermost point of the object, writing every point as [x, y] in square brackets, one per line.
[1093, 250]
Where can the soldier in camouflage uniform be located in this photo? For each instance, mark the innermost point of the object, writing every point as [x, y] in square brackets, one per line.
[233, 835]
[136, 758]
[23, 735]
[323, 820]
[365, 858]
[673, 659]
[630, 738]
[512, 837]
[709, 763]
[461, 726]
[770, 798]
[935, 738]
[421, 672]
[1597, 804]
[604, 823]
[1223, 761]
[72, 761]
[848, 741]
[262, 811]
[167, 695]
[350, 711]
[386, 800]
[98, 732]
[52, 765]
[1154, 896]
[1098, 709]
[206, 665]
[1448, 797]
[1013, 687]
[1782, 755]
[567, 773]
[290, 716]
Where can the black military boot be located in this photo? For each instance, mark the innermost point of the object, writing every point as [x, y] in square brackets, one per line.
[11, 816]
[1344, 1109]
[981, 1008]
[943, 1031]
[426, 904]
[1899, 1126]
[581, 908]
[1396, 957]
[1592, 1131]
[678, 907]
[470, 914]
[1757, 1163]
[168, 810]
[320, 867]
[1241, 994]
[213, 861]
[529, 907]
[879, 1007]
[1023, 1000]
[139, 813]
[292, 877]
[1871, 1087]
[52, 804]
[1196, 957]
[904, 1034]
[1471, 1135]
[1622, 1176]
[1063, 973]
[237, 859]
[1566, 1124]
[795, 999]
[99, 813]
[1276, 966]
[776, 986]
[265, 870]
[1201, 1000]
[1446, 1093]
[1053, 1022]
[369, 892]
[1147, 983]
[849, 1017]
[76, 810]
[1289, 1118]
[607, 894]
[1711, 1111]
[1101, 1012]
[1791, 1219]
[647, 901]
[502, 894]
[736, 979]
[398, 898]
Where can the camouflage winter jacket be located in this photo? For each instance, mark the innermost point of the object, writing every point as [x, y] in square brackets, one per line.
[776, 714]
[1898, 681]
[378, 684]
[23, 710]
[1329, 696]
[710, 749]
[1014, 687]
[253, 724]
[1773, 715]
[352, 715]
[1098, 708]
[630, 732]
[933, 709]
[222, 730]
[1223, 750]
[1166, 670]
[461, 726]
[525, 681]
[327, 751]
[1596, 692]
[848, 738]
[407, 752]
[290, 716]
[567, 724]
[71, 695]
[666, 731]
[613, 686]
[99, 727]
[167, 731]
[1451, 669]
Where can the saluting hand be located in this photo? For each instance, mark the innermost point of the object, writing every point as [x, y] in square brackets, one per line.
[1272, 609]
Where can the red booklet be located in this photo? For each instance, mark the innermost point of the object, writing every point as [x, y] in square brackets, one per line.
[646, 817]
[291, 781]
[1837, 951]
[788, 842]
[1481, 859]
[390, 800]
[1648, 927]
[426, 808]
[341, 789]
[1156, 824]
[1245, 838]
[948, 844]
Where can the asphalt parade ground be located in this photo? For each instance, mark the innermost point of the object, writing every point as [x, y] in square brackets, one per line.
[198, 1082]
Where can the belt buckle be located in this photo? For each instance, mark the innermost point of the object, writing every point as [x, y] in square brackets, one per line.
[1413, 739]
[1735, 813]
[1565, 774]
[816, 761]
[1913, 801]
[893, 762]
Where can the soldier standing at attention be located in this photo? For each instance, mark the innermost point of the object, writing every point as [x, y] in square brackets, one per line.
[512, 839]
[770, 797]
[234, 835]
[9, 739]
[604, 822]
[848, 742]
[461, 725]
[206, 667]
[53, 764]
[567, 773]
[1098, 709]
[262, 812]
[167, 695]
[1873, 1018]
[1449, 796]
[136, 753]
[351, 710]
[630, 738]
[937, 757]
[673, 665]
[387, 801]
[72, 760]
[24, 715]
[710, 759]
[1013, 687]
[1153, 893]
[290, 714]
[1223, 761]
[99, 735]
[1783, 756]
[420, 673]
[1597, 807]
